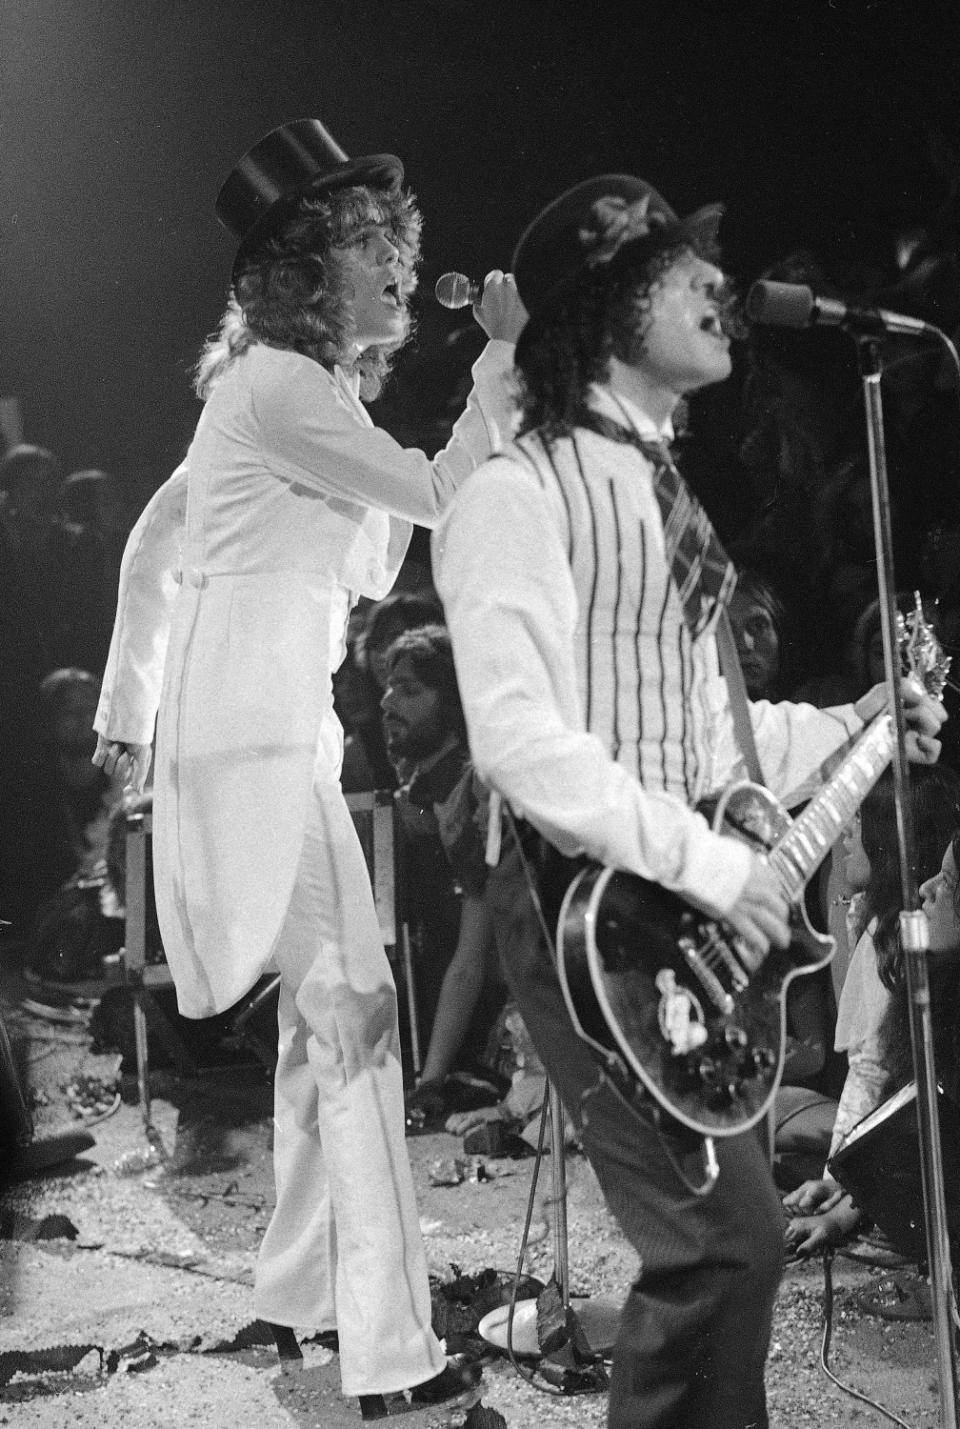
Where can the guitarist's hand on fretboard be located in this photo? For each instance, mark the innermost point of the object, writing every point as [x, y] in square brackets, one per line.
[923, 716]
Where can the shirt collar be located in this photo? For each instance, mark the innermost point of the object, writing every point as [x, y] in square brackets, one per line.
[620, 409]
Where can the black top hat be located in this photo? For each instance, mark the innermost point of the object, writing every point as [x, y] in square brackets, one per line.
[292, 160]
[588, 224]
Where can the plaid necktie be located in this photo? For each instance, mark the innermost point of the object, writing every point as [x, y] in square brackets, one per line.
[702, 571]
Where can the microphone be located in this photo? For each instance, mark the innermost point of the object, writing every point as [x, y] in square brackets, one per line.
[456, 290]
[796, 305]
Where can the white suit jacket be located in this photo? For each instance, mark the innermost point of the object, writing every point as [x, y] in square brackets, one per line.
[234, 594]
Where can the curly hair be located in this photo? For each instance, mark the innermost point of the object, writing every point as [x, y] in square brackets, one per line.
[935, 799]
[895, 1034]
[430, 653]
[568, 342]
[291, 293]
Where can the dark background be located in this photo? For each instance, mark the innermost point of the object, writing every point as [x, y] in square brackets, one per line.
[815, 123]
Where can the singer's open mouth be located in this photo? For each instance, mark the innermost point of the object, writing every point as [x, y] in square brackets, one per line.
[712, 325]
[391, 294]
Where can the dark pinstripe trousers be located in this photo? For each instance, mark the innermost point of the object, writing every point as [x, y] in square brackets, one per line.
[695, 1328]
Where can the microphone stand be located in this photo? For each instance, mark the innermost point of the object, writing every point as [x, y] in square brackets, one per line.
[913, 923]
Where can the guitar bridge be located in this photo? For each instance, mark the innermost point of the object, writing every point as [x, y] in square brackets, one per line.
[712, 985]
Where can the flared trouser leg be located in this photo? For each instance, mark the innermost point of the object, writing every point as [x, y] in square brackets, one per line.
[343, 1247]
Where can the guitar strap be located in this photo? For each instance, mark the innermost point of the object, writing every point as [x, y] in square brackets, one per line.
[737, 694]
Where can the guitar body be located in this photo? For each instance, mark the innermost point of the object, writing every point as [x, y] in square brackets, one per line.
[685, 1006]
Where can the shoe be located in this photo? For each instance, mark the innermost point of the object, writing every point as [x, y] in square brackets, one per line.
[288, 1350]
[454, 1380]
[326, 1339]
[373, 1406]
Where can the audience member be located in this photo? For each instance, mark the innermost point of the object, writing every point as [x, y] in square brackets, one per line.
[356, 701]
[86, 795]
[401, 610]
[765, 636]
[425, 732]
[865, 1031]
[358, 684]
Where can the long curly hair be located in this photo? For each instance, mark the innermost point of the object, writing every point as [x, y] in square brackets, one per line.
[895, 1037]
[935, 800]
[604, 312]
[291, 294]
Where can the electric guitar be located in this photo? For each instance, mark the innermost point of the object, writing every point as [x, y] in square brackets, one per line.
[679, 1001]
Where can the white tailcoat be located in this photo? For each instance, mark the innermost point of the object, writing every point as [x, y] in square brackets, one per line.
[234, 595]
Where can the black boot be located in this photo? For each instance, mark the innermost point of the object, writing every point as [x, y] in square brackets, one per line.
[289, 1352]
[373, 1406]
[453, 1380]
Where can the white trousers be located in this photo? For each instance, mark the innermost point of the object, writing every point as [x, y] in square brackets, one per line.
[343, 1248]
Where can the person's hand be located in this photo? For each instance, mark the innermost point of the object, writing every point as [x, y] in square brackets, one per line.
[922, 714]
[131, 761]
[820, 1196]
[498, 309]
[463, 1121]
[808, 1235]
[760, 913]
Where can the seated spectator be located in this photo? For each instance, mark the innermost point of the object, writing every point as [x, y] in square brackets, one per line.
[401, 610]
[425, 732]
[69, 935]
[766, 640]
[358, 684]
[86, 795]
[356, 700]
[866, 1026]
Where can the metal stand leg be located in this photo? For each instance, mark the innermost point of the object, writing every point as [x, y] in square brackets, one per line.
[143, 1058]
[558, 1156]
[409, 978]
[912, 922]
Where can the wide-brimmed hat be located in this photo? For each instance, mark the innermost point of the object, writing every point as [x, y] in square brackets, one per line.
[588, 224]
[292, 160]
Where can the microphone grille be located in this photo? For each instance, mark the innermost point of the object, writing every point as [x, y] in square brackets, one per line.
[454, 290]
[783, 304]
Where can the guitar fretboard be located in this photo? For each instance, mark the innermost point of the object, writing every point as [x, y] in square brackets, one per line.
[817, 829]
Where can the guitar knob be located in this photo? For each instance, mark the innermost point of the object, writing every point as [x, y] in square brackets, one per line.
[735, 1036]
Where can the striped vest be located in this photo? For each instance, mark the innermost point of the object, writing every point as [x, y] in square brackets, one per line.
[648, 691]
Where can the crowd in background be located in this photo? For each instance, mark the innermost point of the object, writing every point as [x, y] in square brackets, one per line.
[784, 471]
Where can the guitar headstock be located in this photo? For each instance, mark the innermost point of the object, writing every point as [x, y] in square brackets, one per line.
[921, 653]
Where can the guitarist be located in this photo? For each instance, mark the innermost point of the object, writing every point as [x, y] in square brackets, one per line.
[582, 586]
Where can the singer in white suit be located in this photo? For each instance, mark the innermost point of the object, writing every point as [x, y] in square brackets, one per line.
[235, 591]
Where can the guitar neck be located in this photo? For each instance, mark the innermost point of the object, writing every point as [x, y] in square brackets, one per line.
[805, 844]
